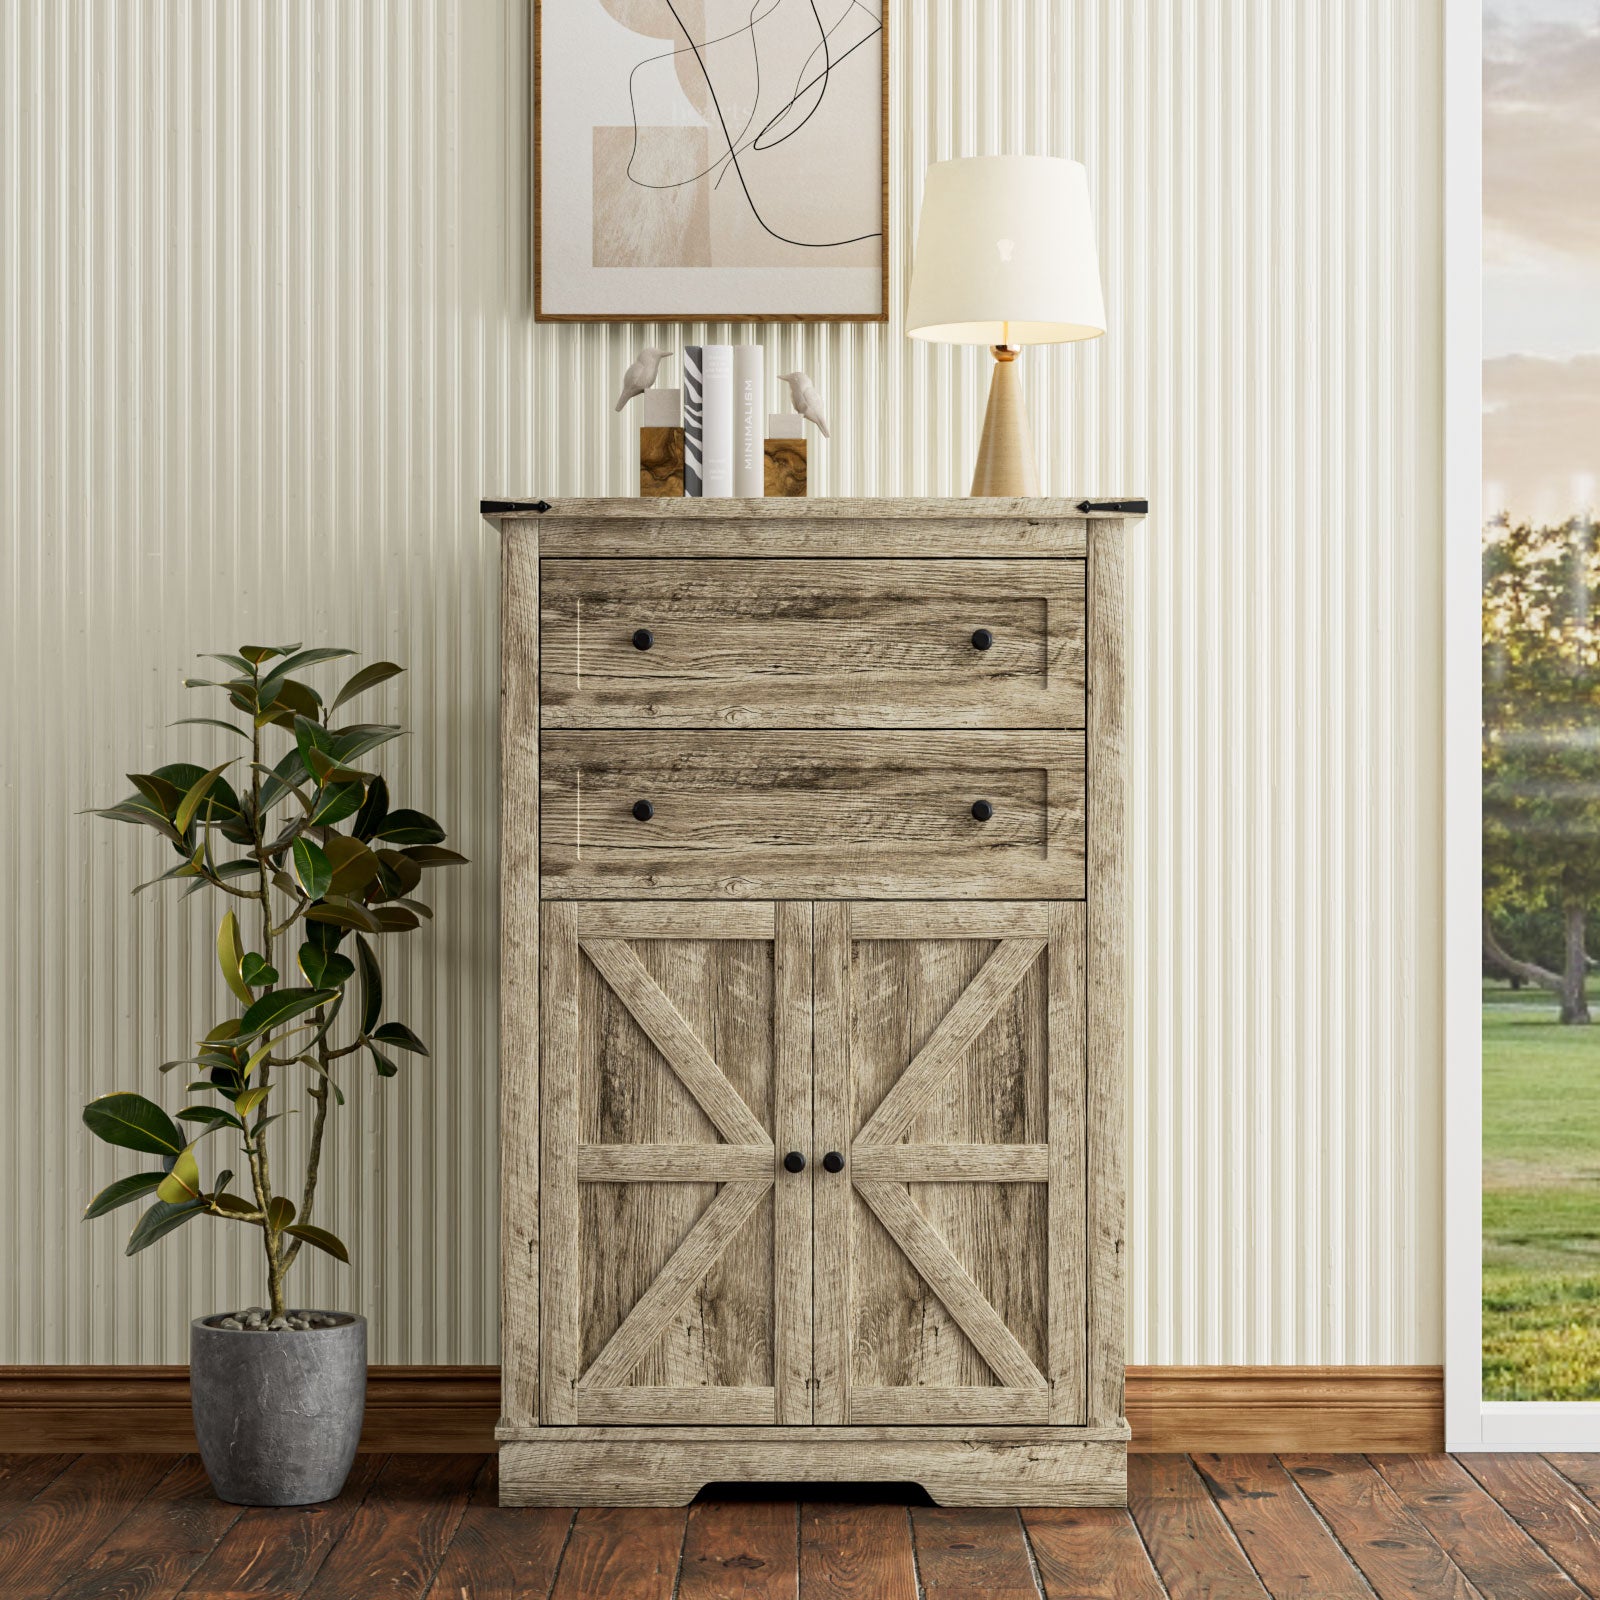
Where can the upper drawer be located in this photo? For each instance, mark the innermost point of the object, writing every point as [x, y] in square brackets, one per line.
[804, 644]
[811, 815]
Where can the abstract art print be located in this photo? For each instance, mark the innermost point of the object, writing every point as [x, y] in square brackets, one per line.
[710, 159]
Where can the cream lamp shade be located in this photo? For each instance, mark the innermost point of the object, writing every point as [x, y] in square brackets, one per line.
[1005, 257]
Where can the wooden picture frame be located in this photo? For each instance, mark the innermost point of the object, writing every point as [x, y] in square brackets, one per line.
[708, 312]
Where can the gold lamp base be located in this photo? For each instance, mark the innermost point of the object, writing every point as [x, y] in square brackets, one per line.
[1006, 463]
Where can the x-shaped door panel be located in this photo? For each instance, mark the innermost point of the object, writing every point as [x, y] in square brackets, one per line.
[979, 1214]
[645, 1190]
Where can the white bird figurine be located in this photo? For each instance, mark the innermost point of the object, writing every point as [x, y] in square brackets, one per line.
[640, 374]
[803, 392]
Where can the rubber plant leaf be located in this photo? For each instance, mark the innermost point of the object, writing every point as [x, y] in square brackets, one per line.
[159, 1221]
[371, 985]
[135, 1123]
[229, 958]
[369, 677]
[312, 868]
[183, 1182]
[121, 1192]
[322, 1239]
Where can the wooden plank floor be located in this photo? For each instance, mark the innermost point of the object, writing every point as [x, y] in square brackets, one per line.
[146, 1527]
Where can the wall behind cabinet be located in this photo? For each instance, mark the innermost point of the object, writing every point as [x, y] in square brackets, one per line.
[265, 337]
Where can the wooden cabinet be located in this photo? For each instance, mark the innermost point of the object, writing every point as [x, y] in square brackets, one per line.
[811, 1023]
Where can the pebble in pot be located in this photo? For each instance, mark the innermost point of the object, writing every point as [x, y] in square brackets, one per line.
[278, 1402]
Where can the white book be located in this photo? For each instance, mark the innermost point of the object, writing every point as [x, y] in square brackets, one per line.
[716, 443]
[749, 397]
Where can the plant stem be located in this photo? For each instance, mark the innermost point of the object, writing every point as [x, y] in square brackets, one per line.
[260, 1169]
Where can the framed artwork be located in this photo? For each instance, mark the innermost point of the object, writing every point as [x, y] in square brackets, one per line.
[711, 160]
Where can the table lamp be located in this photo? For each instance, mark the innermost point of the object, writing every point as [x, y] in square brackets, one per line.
[1005, 257]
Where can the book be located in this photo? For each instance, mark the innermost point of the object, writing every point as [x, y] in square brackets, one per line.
[693, 417]
[749, 395]
[716, 439]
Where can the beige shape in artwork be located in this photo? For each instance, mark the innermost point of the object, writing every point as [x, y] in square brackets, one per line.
[654, 21]
[635, 226]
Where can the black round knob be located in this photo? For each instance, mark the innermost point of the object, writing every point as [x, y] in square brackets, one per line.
[794, 1162]
[981, 639]
[833, 1162]
[643, 639]
[981, 809]
[643, 810]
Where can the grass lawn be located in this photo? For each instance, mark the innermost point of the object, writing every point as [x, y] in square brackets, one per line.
[1541, 1200]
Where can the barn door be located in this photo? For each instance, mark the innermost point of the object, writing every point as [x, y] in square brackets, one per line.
[950, 1246]
[675, 1258]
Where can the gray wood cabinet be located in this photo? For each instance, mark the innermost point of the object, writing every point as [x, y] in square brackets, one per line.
[811, 1027]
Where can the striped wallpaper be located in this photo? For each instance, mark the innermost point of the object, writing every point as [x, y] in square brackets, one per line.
[266, 337]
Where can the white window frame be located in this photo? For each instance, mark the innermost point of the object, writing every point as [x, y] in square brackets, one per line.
[1471, 1423]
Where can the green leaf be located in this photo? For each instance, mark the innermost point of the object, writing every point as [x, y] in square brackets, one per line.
[159, 1221]
[234, 1206]
[121, 1192]
[325, 969]
[360, 737]
[257, 653]
[386, 1068]
[335, 804]
[224, 1178]
[255, 971]
[354, 866]
[373, 809]
[368, 677]
[185, 774]
[283, 777]
[164, 796]
[250, 1099]
[309, 736]
[238, 663]
[223, 1032]
[183, 1182]
[140, 812]
[410, 827]
[229, 959]
[371, 985]
[135, 1123]
[394, 918]
[303, 658]
[209, 722]
[418, 907]
[296, 699]
[322, 1239]
[312, 868]
[343, 913]
[400, 874]
[184, 869]
[213, 1117]
[401, 1037]
[280, 1213]
[271, 1010]
[197, 793]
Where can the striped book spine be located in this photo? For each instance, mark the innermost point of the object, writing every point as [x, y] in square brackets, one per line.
[693, 420]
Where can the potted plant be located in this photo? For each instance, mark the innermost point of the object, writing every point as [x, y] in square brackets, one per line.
[322, 867]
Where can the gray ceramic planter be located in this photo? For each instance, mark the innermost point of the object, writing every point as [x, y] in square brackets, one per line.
[278, 1415]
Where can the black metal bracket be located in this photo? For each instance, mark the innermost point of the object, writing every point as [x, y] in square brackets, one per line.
[499, 508]
[1129, 508]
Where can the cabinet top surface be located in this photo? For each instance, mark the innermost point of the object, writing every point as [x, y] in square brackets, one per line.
[1052, 508]
[839, 528]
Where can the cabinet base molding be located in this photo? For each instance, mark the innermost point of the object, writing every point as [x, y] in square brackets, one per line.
[643, 1468]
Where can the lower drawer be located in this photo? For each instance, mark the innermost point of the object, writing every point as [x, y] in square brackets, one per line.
[628, 815]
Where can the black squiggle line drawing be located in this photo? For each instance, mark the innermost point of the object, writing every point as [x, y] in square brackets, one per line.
[729, 157]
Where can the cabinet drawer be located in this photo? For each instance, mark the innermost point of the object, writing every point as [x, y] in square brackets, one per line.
[794, 644]
[818, 815]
